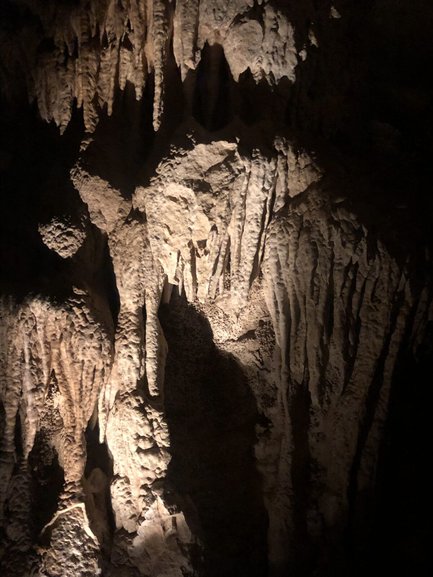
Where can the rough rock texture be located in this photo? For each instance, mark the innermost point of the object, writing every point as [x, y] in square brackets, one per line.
[217, 302]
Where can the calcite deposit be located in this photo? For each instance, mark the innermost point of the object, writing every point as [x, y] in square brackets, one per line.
[217, 299]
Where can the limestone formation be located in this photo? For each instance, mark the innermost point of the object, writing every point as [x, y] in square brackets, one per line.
[218, 287]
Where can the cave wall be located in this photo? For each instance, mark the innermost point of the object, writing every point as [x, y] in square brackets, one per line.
[216, 289]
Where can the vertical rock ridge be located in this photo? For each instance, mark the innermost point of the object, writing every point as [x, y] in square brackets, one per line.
[216, 314]
[46, 341]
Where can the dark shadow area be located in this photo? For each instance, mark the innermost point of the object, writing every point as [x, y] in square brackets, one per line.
[18, 438]
[362, 105]
[302, 557]
[35, 186]
[121, 141]
[47, 483]
[401, 540]
[259, 101]
[98, 475]
[98, 454]
[108, 284]
[91, 267]
[211, 414]
[2, 417]
[174, 100]
[35, 164]
[211, 105]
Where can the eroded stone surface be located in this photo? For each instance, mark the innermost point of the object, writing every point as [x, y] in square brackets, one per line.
[204, 388]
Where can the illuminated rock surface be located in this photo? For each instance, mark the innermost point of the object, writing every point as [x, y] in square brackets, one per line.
[216, 295]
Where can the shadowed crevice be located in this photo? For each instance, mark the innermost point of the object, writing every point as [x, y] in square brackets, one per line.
[211, 414]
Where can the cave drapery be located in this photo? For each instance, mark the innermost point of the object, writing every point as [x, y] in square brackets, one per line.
[216, 298]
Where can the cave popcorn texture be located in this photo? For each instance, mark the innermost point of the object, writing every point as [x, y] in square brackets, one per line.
[236, 378]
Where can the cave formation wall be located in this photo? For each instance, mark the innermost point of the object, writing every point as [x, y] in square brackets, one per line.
[216, 289]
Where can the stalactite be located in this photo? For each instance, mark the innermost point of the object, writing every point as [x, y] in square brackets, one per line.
[97, 50]
[45, 341]
[212, 292]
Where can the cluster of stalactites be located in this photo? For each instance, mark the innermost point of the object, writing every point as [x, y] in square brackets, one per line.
[341, 306]
[208, 209]
[83, 52]
[54, 360]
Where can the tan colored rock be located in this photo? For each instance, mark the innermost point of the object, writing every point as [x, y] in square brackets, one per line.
[288, 312]
[64, 237]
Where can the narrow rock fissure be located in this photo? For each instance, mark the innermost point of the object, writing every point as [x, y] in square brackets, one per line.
[98, 475]
[212, 96]
[47, 484]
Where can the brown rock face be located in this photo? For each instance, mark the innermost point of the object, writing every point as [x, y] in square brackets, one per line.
[216, 299]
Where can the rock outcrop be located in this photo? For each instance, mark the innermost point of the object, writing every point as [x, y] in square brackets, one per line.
[218, 281]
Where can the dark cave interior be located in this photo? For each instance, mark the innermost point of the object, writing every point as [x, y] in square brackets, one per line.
[363, 104]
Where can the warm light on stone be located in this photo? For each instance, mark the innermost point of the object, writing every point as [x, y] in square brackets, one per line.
[217, 299]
